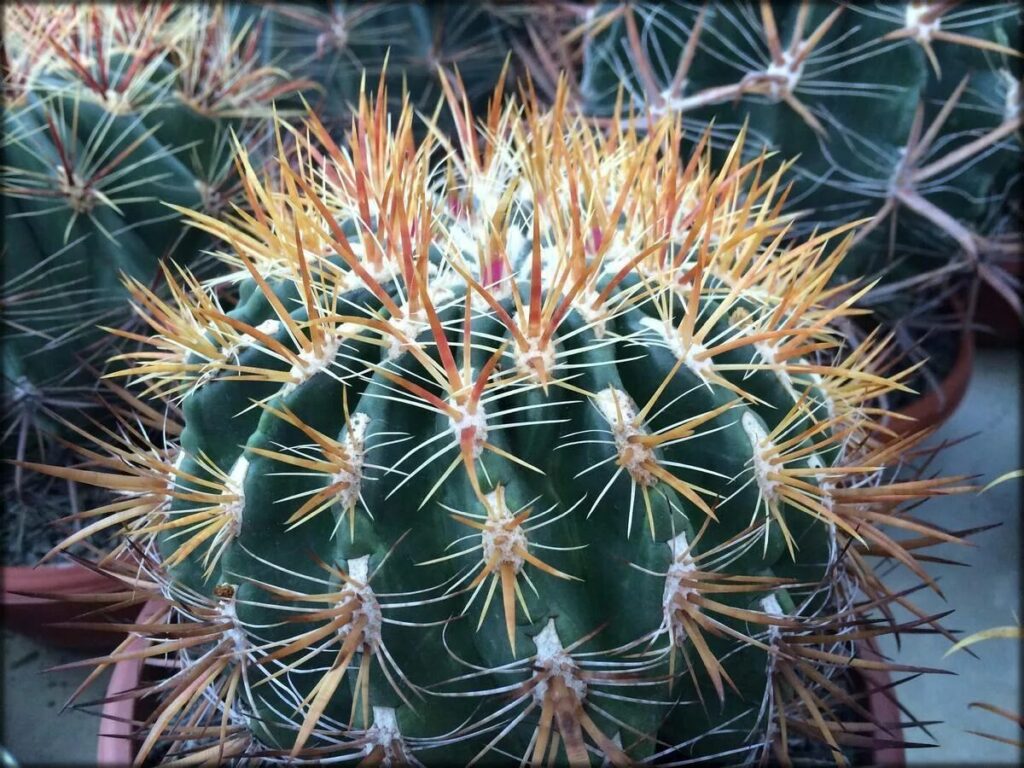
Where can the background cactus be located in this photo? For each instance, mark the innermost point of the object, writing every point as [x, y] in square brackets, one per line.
[112, 112]
[546, 450]
[907, 114]
[337, 43]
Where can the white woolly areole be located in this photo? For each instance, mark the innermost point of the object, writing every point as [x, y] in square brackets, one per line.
[517, 242]
[535, 358]
[179, 462]
[769, 353]
[825, 484]
[226, 608]
[231, 351]
[354, 444]
[618, 253]
[489, 188]
[462, 237]
[675, 592]
[476, 422]
[358, 571]
[498, 538]
[595, 317]
[688, 353]
[440, 290]
[314, 361]
[770, 605]
[633, 455]
[410, 325]
[788, 72]
[830, 404]
[383, 272]
[922, 29]
[80, 198]
[235, 486]
[116, 102]
[760, 444]
[385, 734]
[553, 661]
[269, 327]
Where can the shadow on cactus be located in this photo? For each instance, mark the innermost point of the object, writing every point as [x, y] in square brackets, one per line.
[112, 112]
[549, 449]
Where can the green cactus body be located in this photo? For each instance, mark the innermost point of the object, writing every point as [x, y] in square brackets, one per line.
[105, 136]
[536, 463]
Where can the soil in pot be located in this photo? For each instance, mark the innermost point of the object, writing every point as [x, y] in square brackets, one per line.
[33, 523]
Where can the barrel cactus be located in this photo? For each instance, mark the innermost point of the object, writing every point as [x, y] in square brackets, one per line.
[543, 448]
[111, 112]
[907, 114]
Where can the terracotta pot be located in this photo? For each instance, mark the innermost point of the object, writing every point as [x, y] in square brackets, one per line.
[25, 611]
[881, 703]
[932, 408]
[114, 745]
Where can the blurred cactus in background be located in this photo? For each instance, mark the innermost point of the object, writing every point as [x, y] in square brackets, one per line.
[906, 115]
[337, 43]
[112, 112]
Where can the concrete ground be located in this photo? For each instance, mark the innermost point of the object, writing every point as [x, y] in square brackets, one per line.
[986, 594]
[35, 732]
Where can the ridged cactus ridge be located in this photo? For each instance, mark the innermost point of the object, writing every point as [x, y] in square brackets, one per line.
[112, 112]
[535, 446]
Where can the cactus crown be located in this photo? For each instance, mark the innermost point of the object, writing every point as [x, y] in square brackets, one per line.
[535, 443]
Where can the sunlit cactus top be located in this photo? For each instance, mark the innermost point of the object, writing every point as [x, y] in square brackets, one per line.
[537, 445]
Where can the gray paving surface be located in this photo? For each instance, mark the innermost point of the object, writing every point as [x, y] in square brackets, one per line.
[33, 730]
[985, 594]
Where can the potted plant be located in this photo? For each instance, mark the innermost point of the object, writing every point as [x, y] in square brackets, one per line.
[519, 431]
[56, 570]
